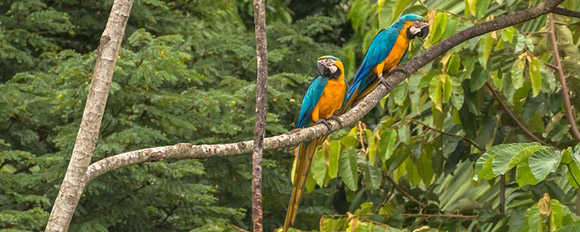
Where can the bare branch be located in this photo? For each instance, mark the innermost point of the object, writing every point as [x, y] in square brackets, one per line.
[75, 177]
[398, 188]
[261, 109]
[513, 117]
[565, 12]
[185, 150]
[565, 95]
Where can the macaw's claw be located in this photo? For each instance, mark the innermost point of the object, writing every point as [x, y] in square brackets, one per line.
[384, 82]
[398, 69]
[335, 118]
[325, 122]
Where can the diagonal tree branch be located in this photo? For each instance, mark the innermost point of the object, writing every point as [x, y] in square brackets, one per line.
[75, 178]
[186, 150]
[565, 12]
[513, 117]
[565, 95]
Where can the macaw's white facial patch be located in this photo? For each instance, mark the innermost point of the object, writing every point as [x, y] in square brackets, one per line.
[330, 64]
[417, 26]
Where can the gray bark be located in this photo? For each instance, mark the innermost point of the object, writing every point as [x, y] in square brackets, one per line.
[75, 177]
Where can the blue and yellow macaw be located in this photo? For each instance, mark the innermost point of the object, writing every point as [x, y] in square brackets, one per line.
[323, 99]
[386, 51]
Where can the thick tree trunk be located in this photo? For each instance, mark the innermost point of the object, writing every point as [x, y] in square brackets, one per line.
[75, 177]
[261, 109]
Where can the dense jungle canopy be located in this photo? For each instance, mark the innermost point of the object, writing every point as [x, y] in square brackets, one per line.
[486, 119]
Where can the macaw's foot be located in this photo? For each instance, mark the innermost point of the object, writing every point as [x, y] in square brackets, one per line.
[325, 122]
[398, 69]
[383, 81]
[335, 118]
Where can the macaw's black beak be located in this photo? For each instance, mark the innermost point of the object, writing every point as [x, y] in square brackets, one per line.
[324, 71]
[424, 32]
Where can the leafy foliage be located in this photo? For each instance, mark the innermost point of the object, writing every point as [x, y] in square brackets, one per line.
[434, 147]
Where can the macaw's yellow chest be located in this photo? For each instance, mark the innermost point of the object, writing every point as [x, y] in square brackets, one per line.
[396, 54]
[331, 99]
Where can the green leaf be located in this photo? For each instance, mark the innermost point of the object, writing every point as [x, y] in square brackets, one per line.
[404, 134]
[400, 93]
[412, 172]
[481, 8]
[569, 228]
[373, 177]
[453, 65]
[400, 5]
[544, 161]
[458, 96]
[348, 168]
[478, 78]
[524, 175]
[487, 47]
[504, 154]
[447, 88]
[310, 182]
[535, 76]
[507, 34]
[385, 13]
[517, 74]
[486, 171]
[387, 144]
[472, 6]
[319, 167]
[438, 27]
[435, 90]
[333, 154]
[424, 167]
[450, 28]
[523, 155]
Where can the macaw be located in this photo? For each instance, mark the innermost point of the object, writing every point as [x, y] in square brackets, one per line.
[386, 51]
[323, 99]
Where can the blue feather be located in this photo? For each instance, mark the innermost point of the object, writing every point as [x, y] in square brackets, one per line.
[310, 100]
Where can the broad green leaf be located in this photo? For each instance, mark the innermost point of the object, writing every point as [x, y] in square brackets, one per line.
[523, 155]
[472, 5]
[480, 162]
[517, 74]
[486, 171]
[400, 93]
[524, 175]
[487, 47]
[447, 88]
[544, 161]
[348, 168]
[450, 28]
[458, 96]
[385, 13]
[400, 5]
[438, 27]
[334, 154]
[478, 78]
[435, 90]
[412, 172]
[387, 144]
[504, 154]
[404, 134]
[481, 8]
[535, 76]
[569, 228]
[350, 140]
[373, 177]
[319, 167]
[428, 78]
[424, 167]
[507, 34]
[453, 65]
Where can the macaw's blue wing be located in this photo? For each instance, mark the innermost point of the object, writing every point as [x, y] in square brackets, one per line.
[310, 100]
[380, 48]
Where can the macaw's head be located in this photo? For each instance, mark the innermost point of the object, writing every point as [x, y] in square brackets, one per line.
[416, 25]
[330, 67]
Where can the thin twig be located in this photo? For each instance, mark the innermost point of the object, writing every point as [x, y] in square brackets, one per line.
[398, 188]
[566, 12]
[513, 117]
[465, 139]
[566, 96]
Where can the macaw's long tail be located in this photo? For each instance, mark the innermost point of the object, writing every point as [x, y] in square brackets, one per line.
[306, 151]
[359, 95]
